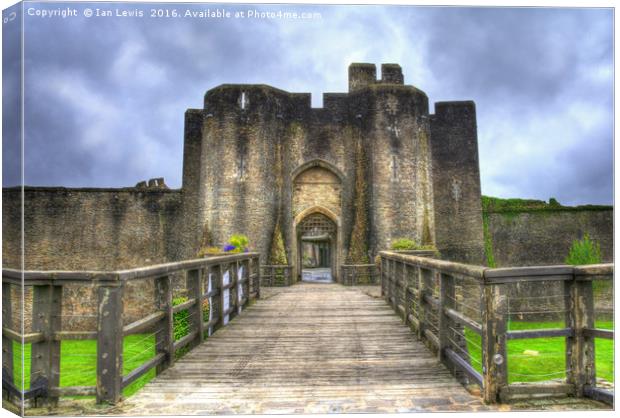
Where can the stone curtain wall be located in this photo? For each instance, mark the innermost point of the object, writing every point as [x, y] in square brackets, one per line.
[545, 237]
[90, 229]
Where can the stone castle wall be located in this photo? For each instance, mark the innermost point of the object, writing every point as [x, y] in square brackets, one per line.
[545, 237]
[456, 182]
[376, 152]
[90, 229]
[255, 142]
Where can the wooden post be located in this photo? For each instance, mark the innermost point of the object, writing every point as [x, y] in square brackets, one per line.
[426, 282]
[494, 359]
[240, 284]
[258, 276]
[408, 296]
[7, 343]
[233, 274]
[46, 319]
[393, 287]
[223, 296]
[580, 348]
[194, 290]
[245, 286]
[446, 300]
[384, 272]
[402, 291]
[164, 337]
[216, 308]
[109, 343]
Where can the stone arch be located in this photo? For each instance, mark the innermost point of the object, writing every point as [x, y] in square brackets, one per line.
[335, 245]
[316, 209]
[317, 163]
[316, 187]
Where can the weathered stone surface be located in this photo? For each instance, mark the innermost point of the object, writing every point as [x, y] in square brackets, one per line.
[545, 237]
[89, 229]
[267, 155]
[456, 182]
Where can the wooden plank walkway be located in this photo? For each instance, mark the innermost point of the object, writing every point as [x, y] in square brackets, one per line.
[308, 348]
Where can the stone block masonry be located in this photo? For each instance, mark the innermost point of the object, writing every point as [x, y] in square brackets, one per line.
[545, 237]
[90, 229]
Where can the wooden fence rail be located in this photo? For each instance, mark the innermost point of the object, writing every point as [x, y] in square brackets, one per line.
[276, 275]
[228, 283]
[359, 274]
[454, 307]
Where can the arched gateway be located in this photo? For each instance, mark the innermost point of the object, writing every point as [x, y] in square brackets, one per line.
[317, 239]
[316, 204]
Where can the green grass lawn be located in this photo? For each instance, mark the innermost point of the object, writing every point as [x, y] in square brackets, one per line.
[78, 362]
[78, 359]
[549, 363]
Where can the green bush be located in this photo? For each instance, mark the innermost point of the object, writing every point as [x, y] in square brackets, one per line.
[240, 241]
[409, 244]
[404, 244]
[584, 251]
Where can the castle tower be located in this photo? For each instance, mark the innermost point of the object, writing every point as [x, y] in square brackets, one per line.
[371, 166]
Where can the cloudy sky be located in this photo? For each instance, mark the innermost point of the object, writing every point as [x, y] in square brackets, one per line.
[105, 96]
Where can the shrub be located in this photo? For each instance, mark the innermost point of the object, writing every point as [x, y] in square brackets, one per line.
[584, 251]
[404, 244]
[236, 244]
[409, 244]
[239, 242]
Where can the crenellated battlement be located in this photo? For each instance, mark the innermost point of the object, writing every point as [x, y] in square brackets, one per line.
[365, 74]
[249, 98]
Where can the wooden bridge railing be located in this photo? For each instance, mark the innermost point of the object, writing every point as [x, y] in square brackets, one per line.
[276, 275]
[467, 314]
[359, 274]
[225, 283]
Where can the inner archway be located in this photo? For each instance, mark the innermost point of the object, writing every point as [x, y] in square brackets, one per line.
[317, 236]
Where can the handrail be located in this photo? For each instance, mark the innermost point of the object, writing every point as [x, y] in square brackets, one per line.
[226, 300]
[116, 275]
[476, 272]
[270, 272]
[435, 298]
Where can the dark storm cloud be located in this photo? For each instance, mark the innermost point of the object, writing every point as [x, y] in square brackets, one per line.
[542, 82]
[11, 82]
[105, 98]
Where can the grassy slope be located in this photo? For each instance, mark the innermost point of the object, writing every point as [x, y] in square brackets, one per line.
[550, 361]
[78, 363]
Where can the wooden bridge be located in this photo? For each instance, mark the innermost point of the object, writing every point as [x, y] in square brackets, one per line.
[311, 348]
[307, 348]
